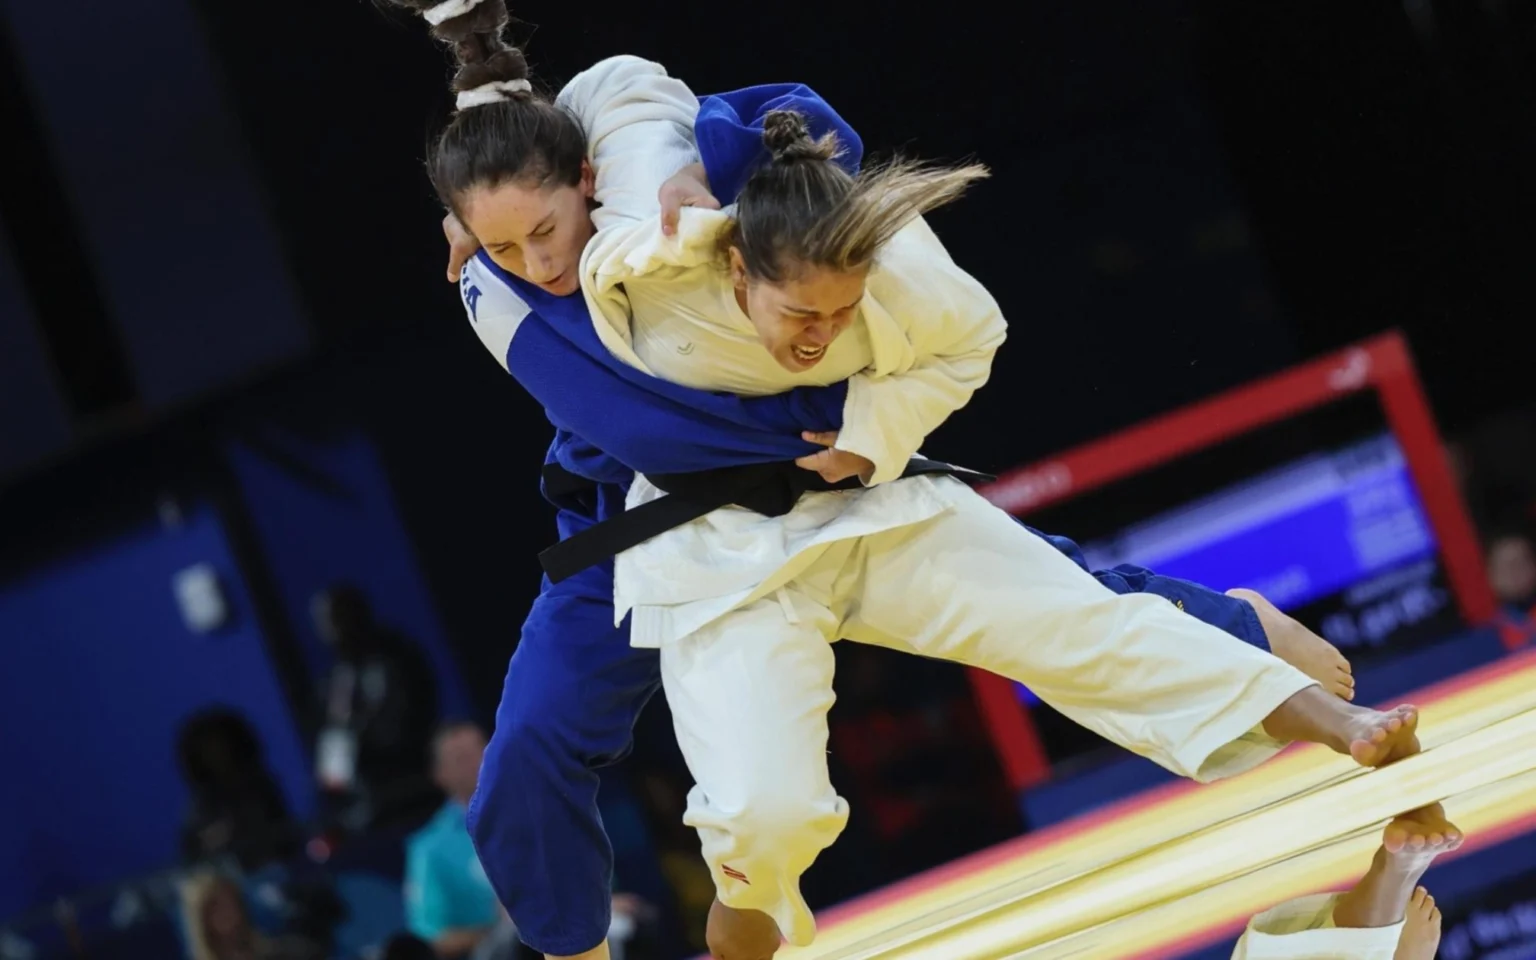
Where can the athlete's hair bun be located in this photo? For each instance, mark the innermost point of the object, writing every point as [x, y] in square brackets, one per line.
[788, 138]
[476, 40]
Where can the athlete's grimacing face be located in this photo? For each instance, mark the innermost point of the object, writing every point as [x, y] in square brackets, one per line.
[534, 231]
[797, 319]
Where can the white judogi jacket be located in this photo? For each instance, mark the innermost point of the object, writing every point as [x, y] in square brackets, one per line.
[930, 331]
[1302, 929]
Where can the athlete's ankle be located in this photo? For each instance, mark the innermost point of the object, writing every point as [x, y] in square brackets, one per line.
[1311, 716]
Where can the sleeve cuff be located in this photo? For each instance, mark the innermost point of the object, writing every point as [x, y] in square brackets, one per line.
[861, 435]
[1303, 929]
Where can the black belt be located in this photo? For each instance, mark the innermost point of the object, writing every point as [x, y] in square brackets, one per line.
[771, 489]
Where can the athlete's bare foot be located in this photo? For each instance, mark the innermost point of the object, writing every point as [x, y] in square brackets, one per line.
[1421, 928]
[1408, 846]
[1416, 838]
[1373, 737]
[1377, 738]
[740, 934]
[1300, 647]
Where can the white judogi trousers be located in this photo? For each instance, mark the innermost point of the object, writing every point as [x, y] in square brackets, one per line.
[750, 691]
[1302, 929]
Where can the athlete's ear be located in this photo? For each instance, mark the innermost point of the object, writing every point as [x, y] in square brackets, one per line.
[588, 183]
[738, 270]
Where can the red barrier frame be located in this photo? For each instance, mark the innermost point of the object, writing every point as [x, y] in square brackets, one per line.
[1382, 365]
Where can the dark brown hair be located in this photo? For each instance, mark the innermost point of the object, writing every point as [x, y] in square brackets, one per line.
[803, 210]
[526, 137]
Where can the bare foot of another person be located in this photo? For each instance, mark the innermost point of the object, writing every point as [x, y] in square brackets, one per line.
[1300, 647]
[741, 934]
[1386, 893]
[1373, 737]
[1421, 928]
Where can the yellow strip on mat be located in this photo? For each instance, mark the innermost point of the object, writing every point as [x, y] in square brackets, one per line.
[1224, 851]
[1335, 866]
[1291, 778]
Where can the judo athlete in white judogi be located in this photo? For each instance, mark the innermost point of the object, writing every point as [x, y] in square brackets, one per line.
[816, 277]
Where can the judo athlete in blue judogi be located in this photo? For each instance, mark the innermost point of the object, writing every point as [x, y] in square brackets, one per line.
[575, 686]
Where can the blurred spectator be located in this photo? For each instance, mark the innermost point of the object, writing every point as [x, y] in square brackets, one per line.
[237, 809]
[449, 902]
[666, 799]
[218, 927]
[1512, 569]
[380, 710]
[1496, 464]
[448, 899]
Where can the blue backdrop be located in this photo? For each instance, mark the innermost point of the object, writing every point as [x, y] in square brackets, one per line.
[325, 512]
[97, 673]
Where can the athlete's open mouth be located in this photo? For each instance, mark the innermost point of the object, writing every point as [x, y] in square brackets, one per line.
[807, 354]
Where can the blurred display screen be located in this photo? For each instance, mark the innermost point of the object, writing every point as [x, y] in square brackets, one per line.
[1339, 539]
[1324, 520]
[1501, 926]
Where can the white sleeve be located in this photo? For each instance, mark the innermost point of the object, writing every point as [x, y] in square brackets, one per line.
[1302, 929]
[626, 251]
[955, 328]
[639, 126]
[495, 310]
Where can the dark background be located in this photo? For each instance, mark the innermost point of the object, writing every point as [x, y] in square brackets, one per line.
[217, 237]
[1187, 195]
